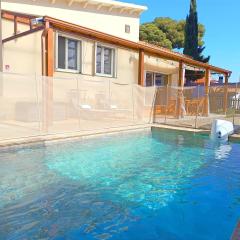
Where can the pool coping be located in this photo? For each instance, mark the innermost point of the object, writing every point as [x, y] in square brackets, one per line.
[43, 140]
[234, 138]
[185, 129]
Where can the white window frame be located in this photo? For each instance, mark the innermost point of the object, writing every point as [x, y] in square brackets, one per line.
[79, 55]
[113, 61]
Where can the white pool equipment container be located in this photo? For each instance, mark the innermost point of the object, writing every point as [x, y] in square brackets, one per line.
[221, 130]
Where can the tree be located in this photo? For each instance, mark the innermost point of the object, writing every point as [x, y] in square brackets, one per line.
[173, 30]
[192, 46]
[152, 34]
[171, 34]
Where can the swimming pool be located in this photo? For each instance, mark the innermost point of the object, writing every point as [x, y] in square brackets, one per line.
[144, 185]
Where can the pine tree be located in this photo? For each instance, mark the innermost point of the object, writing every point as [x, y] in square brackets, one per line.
[191, 47]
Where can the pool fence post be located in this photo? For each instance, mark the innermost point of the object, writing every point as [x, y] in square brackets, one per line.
[133, 107]
[197, 112]
[109, 92]
[165, 120]
[78, 104]
[225, 98]
[38, 101]
[181, 80]
[234, 103]
[207, 84]
[47, 72]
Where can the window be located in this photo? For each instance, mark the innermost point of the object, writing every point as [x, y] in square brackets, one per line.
[155, 79]
[68, 54]
[149, 79]
[127, 28]
[105, 60]
[161, 79]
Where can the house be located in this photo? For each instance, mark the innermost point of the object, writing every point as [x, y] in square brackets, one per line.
[90, 40]
[92, 31]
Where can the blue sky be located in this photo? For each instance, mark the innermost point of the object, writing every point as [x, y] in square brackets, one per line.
[221, 19]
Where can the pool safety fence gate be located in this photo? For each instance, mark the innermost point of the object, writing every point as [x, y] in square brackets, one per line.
[197, 106]
[35, 105]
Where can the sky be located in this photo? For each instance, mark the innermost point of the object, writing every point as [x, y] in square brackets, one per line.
[222, 22]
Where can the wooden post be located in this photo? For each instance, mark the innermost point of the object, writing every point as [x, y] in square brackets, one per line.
[141, 68]
[206, 101]
[15, 26]
[225, 98]
[181, 77]
[180, 90]
[49, 53]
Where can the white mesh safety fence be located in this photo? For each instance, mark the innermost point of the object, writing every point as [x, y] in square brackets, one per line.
[196, 106]
[234, 103]
[20, 104]
[35, 105]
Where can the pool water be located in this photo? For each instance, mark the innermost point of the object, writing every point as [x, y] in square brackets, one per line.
[144, 185]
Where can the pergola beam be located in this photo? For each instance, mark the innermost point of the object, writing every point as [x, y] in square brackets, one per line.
[22, 34]
[148, 49]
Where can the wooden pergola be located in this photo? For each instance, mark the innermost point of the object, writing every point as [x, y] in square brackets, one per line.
[143, 49]
[50, 24]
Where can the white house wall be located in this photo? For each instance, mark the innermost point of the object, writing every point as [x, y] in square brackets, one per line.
[102, 20]
[22, 55]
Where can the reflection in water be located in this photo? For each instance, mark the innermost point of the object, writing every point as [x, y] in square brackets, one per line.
[223, 151]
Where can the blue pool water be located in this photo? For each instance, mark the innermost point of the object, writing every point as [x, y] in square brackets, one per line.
[140, 186]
